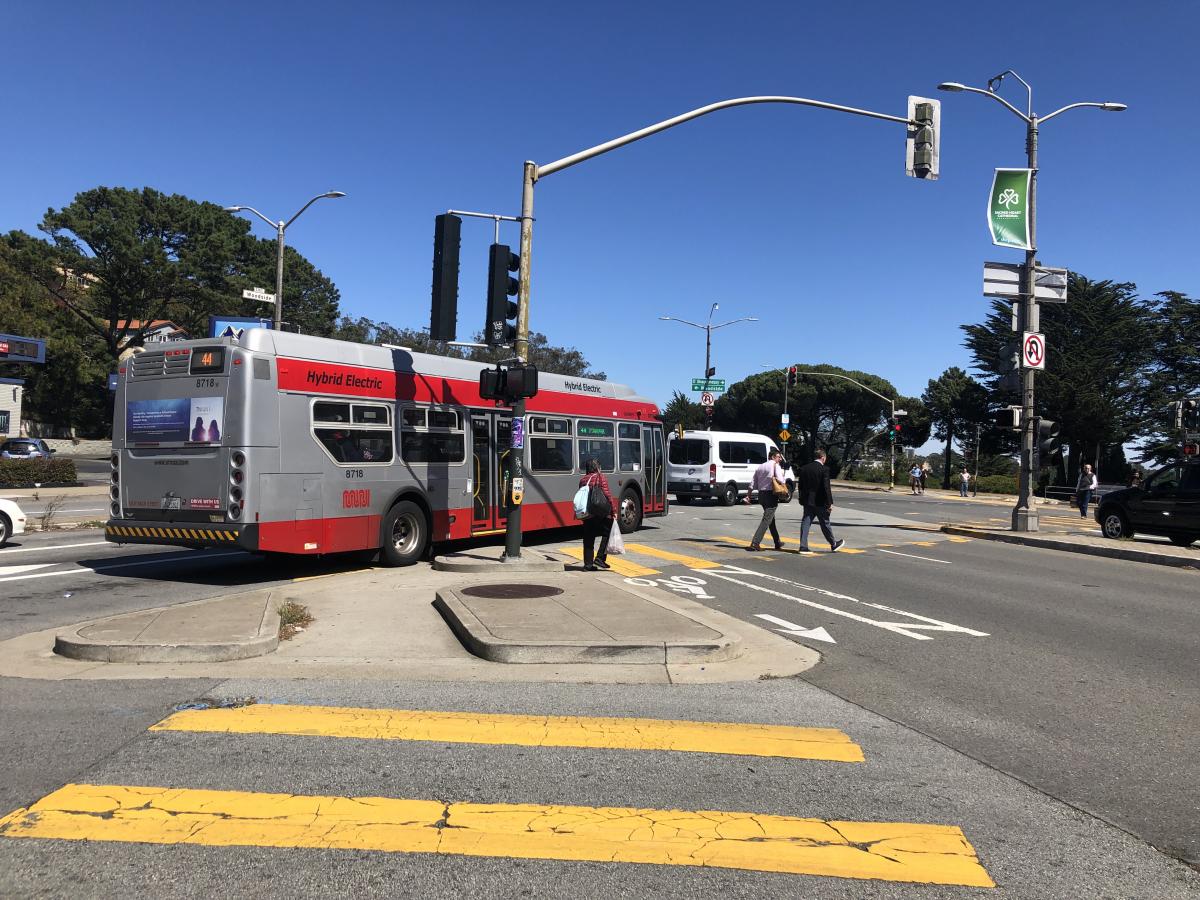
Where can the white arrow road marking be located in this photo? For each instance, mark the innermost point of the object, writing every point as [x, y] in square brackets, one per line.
[908, 629]
[944, 562]
[817, 634]
[13, 570]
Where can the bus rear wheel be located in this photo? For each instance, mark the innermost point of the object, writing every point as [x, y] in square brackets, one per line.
[630, 519]
[405, 535]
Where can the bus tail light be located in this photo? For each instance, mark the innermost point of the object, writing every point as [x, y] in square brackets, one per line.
[235, 494]
[236, 476]
[712, 473]
[235, 510]
[114, 492]
[115, 509]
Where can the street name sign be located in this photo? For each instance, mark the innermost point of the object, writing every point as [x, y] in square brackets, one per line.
[258, 294]
[1033, 350]
[1008, 209]
[1004, 280]
[716, 385]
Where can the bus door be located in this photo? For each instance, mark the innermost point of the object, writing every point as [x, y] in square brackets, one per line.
[490, 445]
[654, 469]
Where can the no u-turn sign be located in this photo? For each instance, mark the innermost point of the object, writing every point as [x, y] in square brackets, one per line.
[1033, 350]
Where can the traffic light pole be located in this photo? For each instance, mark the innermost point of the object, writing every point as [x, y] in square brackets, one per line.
[533, 172]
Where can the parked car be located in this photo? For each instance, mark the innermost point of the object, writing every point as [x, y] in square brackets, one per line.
[1167, 503]
[714, 464]
[12, 520]
[25, 448]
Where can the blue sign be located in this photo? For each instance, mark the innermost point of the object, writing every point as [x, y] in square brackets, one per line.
[113, 379]
[518, 433]
[232, 326]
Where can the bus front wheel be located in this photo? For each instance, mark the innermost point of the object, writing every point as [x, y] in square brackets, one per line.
[631, 512]
[405, 535]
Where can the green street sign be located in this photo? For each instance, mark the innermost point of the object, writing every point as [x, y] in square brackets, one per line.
[714, 385]
[1008, 208]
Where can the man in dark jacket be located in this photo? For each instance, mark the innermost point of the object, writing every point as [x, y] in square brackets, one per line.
[817, 499]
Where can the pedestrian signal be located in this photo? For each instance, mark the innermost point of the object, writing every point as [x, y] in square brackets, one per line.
[1008, 418]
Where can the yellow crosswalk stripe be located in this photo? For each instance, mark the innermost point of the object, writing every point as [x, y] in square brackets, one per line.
[693, 562]
[620, 566]
[957, 539]
[732, 738]
[892, 851]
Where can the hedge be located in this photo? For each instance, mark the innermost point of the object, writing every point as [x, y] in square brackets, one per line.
[997, 484]
[27, 473]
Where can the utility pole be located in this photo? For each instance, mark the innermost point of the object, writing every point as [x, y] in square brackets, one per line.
[1024, 514]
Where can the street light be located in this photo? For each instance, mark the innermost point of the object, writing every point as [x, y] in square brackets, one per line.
[280, 227]
[1024, 514]
[709, 328]
[891, 402]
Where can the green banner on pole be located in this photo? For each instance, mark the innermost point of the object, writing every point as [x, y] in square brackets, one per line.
[1008, 208]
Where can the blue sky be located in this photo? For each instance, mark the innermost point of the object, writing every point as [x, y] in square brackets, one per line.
[801, 217]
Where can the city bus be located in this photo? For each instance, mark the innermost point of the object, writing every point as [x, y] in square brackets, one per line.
[284, 443]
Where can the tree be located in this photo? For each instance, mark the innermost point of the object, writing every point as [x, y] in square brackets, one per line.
[120, 259]
[1174, 370]
[682, 410]
[956, 402]
[1101, 343]
[546, 356]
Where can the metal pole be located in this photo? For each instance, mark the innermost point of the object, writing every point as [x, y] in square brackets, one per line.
[975, 492]
[512, 527]
[1024, 514]
[892, 450]
[279, 276]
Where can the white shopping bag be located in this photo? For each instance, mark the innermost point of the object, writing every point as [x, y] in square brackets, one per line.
[616, 543]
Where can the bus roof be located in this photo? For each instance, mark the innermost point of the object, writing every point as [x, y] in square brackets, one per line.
[329, 350]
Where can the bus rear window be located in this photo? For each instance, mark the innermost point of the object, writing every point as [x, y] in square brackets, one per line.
[688, 452]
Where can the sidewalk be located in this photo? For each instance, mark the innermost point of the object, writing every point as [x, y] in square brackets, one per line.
[382, 624]
[1090, 544]
[939, 493]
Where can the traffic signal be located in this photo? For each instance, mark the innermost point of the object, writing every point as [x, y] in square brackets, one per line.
[508, 384]
[1186, 414]
[893, 431]
[792, 377]
[1047, 436]
[924, 137]
[1008, 418]
[443, 320]
[501, 327]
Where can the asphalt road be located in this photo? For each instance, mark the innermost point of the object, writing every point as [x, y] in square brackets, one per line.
[1084, 685]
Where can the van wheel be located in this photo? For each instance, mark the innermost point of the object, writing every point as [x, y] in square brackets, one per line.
[405, 535]
[1115, 525]
[1183, 540]
[729, 494]
[631, 512]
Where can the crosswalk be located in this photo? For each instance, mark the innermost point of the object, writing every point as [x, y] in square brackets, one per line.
[641, 560]
[181, 812]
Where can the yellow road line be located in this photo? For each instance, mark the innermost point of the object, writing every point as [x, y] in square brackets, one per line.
[520, 730]
[956, 539]
[785, 541]
[620, 566]
[693, 562]
[922, 543]
[891, 851]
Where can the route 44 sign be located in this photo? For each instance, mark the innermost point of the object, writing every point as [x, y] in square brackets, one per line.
[1033, 350]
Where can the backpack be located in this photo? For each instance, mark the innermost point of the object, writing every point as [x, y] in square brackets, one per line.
[581, 502]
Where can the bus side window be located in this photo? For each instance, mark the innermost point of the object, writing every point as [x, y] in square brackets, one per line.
[353, 435]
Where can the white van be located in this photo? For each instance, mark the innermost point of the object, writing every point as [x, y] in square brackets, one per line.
[716, 464]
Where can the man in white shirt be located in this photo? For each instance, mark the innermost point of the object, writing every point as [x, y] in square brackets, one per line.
[764, 480]
[1084, 489]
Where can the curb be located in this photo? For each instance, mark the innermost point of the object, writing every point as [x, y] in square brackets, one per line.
[1047, 543]
[73, 645]
[478, 564]
[480, 641]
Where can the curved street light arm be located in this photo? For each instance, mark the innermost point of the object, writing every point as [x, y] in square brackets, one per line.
[734, 322]
[568, 161]
[888, 400]
[684, 321]
[1016, 112]
[304, 207]
[1072, 106]
[1028, 89]
[270, 222]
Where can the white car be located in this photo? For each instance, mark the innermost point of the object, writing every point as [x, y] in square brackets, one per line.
[12, 521]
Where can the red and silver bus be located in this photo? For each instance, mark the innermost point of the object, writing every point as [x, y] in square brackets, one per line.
[278, 442]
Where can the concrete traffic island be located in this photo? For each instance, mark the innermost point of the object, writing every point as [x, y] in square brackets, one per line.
[573, 619]
[241, 626]
[491, 561]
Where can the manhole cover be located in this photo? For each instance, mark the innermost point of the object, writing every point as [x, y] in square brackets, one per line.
[511, 591]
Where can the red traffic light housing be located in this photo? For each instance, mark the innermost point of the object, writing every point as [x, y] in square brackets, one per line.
[792, 377]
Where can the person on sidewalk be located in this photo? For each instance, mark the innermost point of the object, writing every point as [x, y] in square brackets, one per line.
[926, 468]
[767, 478]
[1084, 489]
[914, 479]
[964, 481]
[597, 526]
[817, 499]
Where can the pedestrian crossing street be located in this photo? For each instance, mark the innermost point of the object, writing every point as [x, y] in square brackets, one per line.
[179, 811]
[640, 559]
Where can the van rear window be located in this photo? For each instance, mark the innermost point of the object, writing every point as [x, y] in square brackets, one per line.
[688, 452]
